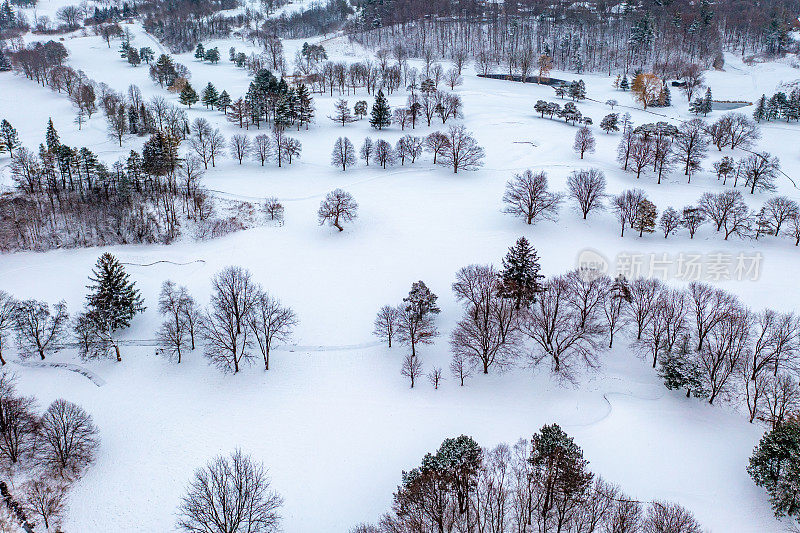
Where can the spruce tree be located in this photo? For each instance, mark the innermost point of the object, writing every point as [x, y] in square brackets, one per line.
[381, 113]
[708, 102]
[200, 52]
[8, 134]
[113, 300]
[306, 106]
[223, 101]
[775, 466]
[624, 84]
[519, 279]
[760, 112]
[5, 64]
[188, 95]
[212, 56]
[210, 96]
[51, 138]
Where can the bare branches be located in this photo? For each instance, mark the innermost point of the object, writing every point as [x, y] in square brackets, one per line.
[528, 196]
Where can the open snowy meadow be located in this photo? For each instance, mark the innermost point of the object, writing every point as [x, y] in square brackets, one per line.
[333, 419]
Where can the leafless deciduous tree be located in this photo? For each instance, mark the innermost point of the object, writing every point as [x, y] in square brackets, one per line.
[337, 208]
[262, 148]
[781, 399]
[720, 206]
[38, 327]
[709, 306]
[554, 325]
[435, 377]
[271, 322]
[231, 494]
[742, 131]
[45, 499]
[18, 421]
[412, 368]
[274, 209]
[588, 189]
[7, 309]
[462, 151]
[760, 171]
[780, 209]
[240, 146]
[724, 350]
[528, 196]
[344, 153]
[584, 141]
[461, 367]
[487, 333]
[667, 517]
[644, 298]
[386, 323]
[68, 439]
[224, 326]
[179, 310]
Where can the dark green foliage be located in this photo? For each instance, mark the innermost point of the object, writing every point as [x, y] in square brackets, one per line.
[113, 300]
[210, 96]
[775, 466]
[380, 117]
[188, 95]
[520, 278]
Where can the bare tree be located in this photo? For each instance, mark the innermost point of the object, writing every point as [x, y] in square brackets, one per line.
[776, 342]
[724, 350]
[588, 189]
[626, 207]
[781, 398]
[584, 141]
[384, 153]
[68, 439]
[18, 421]
[780, 209]
[528, 196]
[344, 153]
[692, 77]
[488, 331]
[240, 146]
[435, 377]
[216, 146]
[760, 171]
[8, 309]
[337, 208]
[262, 148]
[386, 323]
[709, 307]
[437, 143]
[367, 150]
[271, 322]
[38, 328]
[460, 367]
[228, 495]
[274, 209]
[644, 298]
[667, 517]
[554, 326]
[462, 151]
[46, 499]
[412, 368]
[742, 131]
[691, 144]
[718, 207]
[176, 305]
[224, 326]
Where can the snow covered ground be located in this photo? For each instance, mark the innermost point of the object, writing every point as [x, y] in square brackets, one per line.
[333, 419]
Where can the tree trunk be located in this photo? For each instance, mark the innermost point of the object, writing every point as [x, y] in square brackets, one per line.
[119, 356]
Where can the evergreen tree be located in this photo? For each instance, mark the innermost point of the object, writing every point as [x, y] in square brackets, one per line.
[8, 135]
[210, 96]
[381, 113]
[51, 138]
[577, 90]
[679, 370]
[421, 300]
[305, 113]
[5, 64]
[212, 56]
[223, 101]
[342, 112]
[775, 466]
[624, 84]
[113, 299]
[708, 102]
[146, 54]
[519, 279]
[760, 112]
[200, 52]
[610, 123]
[188, 95]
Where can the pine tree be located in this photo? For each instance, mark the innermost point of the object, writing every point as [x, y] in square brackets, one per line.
[5, 64]
[342, 112]
[775, 466]
[624, 84]
[381, 113]
[188, 95]
[114, 299]
[760, 112]
[708, 102]
[210, 96]
[212, 56]
[8, 134]
[200, 52]
[519, 279]
[306, 106]
[610, 123]
[679, 370]
[51, 138]
[223, 101]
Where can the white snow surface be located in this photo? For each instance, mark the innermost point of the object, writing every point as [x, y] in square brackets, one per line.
[333, 420]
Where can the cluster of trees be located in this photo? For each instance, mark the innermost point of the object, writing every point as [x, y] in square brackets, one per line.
[52, 450]
[181, 24]
[456, 149]
[665, 148]
[570, 112]
[778, 106]
[269, 100]
[542, 483]
[67, 197]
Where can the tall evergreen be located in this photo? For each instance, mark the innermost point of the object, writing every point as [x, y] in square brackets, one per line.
[200, 52]
[519, 279]
[188, 95]
[381, 113]
[8, 134]
[51, 137]
[624, 84]
[306, 106]
[760, 112]
[223, 101]
[5, 64]
[113, 299]
[210, 96]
